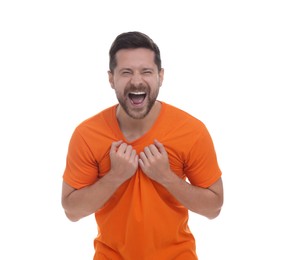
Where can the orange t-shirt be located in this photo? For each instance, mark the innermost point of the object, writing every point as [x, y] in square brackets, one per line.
[142, 220]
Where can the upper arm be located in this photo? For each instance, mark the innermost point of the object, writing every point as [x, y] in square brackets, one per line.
[66, 191]
[202, 168]
[81, 166]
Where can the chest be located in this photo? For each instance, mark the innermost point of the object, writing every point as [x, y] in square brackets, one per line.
[175, 159]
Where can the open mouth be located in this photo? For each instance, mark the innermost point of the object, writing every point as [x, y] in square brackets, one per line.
[137, 98]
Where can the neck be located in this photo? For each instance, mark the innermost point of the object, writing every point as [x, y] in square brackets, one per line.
[133, 129]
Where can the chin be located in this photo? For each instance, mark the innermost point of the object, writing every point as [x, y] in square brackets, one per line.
[137, 116]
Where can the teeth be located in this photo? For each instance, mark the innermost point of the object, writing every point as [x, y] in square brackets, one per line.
[137, 93]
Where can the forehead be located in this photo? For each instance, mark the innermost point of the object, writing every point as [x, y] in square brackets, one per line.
[135, 57]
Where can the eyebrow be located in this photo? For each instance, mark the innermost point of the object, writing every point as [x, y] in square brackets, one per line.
[129, 69]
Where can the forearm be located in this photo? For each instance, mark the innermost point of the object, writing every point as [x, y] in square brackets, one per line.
[83, 202]
[204, 201]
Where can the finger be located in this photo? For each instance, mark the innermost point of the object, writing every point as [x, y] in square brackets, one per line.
[143, 157]
[122, 148]
[154, 150]
[133, 157]
[114, 146]
[128, 150]
[141, 163]
[160, 146]
[133, 154]
[148, 152]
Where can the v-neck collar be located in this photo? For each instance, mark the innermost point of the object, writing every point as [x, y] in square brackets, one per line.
[148, 135]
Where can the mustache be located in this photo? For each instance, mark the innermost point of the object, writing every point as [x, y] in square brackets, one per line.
[135, 88]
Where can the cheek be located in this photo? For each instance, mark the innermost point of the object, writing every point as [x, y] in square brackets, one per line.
[121, 83]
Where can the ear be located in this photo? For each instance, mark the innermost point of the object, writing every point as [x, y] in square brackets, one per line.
[161, 76]
[110, 79]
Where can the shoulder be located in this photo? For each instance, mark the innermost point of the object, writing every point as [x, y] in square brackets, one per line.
[178, 117]
[98, 120]
[96, 128]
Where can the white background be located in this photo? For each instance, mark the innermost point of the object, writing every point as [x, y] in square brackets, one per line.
[224, 63]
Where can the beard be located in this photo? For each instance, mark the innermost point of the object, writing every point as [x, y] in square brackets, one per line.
[149, 101]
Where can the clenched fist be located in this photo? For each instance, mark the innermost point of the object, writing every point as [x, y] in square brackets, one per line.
[124, 160]
[154, 162]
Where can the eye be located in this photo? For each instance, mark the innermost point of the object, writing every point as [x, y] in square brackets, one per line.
[147, 72]
[125, 72]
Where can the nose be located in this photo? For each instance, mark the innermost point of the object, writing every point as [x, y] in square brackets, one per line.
[136, 79]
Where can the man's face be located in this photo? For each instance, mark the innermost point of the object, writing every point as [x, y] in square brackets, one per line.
[136, 81]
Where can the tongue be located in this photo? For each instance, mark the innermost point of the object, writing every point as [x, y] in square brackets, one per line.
[137, 99]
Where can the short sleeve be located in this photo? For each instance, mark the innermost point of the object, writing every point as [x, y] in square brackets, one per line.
[201, 167]
[81, 167]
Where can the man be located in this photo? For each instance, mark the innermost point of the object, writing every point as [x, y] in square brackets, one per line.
[141, 165]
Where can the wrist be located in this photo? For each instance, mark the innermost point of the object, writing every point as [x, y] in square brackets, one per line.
[169, 179]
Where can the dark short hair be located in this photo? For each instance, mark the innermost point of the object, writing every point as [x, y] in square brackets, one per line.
[133, 40]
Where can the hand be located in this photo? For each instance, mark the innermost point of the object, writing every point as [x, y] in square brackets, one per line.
[124, 161]
[154, 162]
